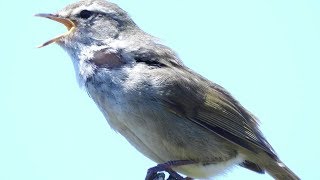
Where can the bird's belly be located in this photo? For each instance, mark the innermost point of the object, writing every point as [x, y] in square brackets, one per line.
[201, 171]
[163, 136]
[150, 140]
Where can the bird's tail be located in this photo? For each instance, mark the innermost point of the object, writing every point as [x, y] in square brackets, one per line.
[280, 171]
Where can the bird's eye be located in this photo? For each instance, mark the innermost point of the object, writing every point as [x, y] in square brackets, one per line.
[85, 14]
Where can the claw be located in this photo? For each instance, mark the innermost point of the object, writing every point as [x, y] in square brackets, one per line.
[159, 176]
[153, 174]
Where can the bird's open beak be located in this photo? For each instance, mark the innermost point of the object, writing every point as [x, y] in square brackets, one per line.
[67, 22]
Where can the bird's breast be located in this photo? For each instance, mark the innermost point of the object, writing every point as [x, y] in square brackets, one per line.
[133, 108]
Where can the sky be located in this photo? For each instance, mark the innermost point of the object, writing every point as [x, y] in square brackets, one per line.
[266, 53]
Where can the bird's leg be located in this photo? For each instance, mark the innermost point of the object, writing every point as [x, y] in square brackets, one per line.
[167, 166]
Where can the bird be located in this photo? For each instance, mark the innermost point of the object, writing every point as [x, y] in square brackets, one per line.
[168, 112]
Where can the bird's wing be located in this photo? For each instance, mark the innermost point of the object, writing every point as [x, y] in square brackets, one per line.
[212, 107]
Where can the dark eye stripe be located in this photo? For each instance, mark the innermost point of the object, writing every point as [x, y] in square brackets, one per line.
[85, 14]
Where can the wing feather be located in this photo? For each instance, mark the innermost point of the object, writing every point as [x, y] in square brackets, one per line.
[212, 107]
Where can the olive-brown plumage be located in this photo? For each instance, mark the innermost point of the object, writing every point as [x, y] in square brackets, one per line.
[165, 110]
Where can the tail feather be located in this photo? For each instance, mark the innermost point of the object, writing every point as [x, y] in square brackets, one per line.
[272, 165]
[279, 170]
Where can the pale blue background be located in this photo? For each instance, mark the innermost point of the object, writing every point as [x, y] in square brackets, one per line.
[266, 53]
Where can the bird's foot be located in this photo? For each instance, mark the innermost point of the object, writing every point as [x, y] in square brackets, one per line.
[162, 176]
[158, 176]
[153, 174]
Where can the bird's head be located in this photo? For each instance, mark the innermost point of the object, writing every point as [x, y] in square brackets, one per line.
[91, 21]
[102, 35]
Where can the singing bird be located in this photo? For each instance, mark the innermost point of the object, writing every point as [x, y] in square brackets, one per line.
[169, 113]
